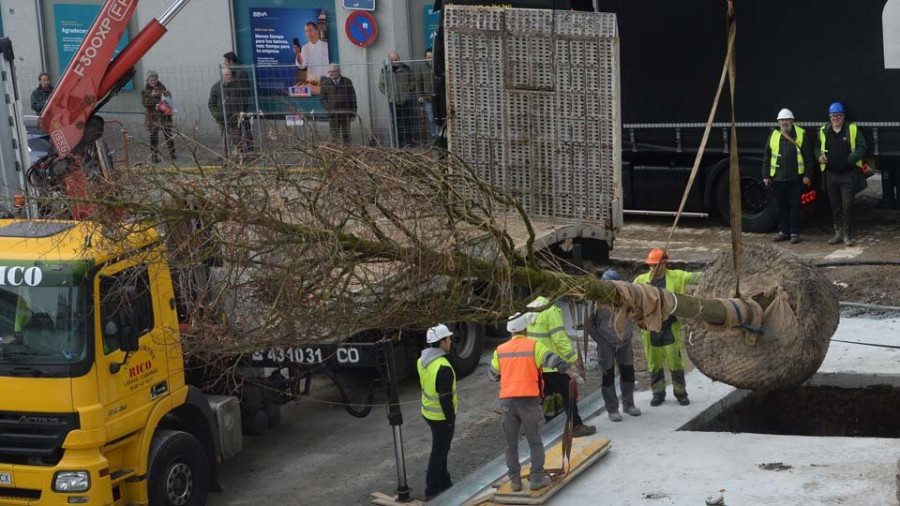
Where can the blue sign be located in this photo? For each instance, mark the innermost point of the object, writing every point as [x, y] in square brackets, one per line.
[73, 21]
[361, 29]
[432, 22]
[359, 5]
[291, 41]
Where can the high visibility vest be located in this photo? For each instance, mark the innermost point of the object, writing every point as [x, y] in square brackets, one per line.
[854, 131]
[431, 402]
[520, 375]
[775, 148]
[549, 329]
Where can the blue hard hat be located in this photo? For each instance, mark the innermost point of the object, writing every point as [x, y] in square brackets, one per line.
[836, 108]
[610, 275]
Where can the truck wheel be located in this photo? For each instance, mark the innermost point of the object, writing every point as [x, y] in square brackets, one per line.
[468, 341]
[256, 423]
[758, 212]
[273, 412]
[179, 472]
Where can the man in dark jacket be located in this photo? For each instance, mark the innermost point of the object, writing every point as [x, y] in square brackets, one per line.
[439, 405]
[787, 165]
[338, 97]
[841, 149]
[399, 85]
[614, 350]
[227, 101]
[41, 94]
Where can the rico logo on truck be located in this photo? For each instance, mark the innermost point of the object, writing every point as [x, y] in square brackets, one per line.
[18, 276]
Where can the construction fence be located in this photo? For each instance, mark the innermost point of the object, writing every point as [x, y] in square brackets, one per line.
[231, 111]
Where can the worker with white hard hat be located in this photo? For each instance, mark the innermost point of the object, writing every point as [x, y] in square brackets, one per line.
[549, 328]
[439, 405]
[517, 364]
[787, 168]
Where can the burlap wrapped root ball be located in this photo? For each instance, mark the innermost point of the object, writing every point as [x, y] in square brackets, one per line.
[798, 323]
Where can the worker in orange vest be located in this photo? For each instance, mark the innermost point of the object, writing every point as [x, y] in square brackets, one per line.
[517, 365]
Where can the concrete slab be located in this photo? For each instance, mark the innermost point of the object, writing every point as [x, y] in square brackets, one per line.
[655, 463]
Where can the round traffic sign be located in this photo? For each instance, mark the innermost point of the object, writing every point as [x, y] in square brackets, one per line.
[361, 28]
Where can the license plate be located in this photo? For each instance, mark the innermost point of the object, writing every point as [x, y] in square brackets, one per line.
[299, 355]
[5, 478]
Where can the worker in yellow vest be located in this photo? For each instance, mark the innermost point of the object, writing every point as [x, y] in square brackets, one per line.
[787, 165]
[549, 329]
[841, 150]
[439, 405]
[517, 365]
[664, 347]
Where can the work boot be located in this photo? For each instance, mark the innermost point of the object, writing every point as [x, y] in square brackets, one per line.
[849, 241]
[542, 481]
[837, 236]
[632, 410]
[615, 416]
[516, 484]
[584, 430]
[795, 238]
[779, 237]
[683, 399]
[658, 398]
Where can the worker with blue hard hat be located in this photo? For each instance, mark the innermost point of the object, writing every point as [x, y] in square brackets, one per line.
[840, 153]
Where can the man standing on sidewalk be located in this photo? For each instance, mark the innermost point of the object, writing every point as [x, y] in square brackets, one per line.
[517, 366]
[785, 162]
[549, 329]
[840, 153]
[439, 405]
[664, 347]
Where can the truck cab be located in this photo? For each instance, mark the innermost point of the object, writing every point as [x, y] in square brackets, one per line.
[95, 407]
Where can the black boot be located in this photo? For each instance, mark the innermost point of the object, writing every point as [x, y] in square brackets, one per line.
[658, 398]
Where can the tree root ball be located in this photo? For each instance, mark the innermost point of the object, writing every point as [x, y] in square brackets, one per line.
[797, 327]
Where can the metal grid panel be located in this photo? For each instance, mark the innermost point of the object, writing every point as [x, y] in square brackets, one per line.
[534, 95]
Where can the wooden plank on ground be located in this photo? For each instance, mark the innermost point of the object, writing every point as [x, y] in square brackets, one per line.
[382, 499]
[585, 451]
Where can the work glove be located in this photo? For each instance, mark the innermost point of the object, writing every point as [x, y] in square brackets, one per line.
[577, 377]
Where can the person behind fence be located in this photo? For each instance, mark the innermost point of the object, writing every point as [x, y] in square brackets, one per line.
[612, 351]
[41, 94]
[399, 85]
[338, 97]
[517, 365]
[313, 56]
[157, 115]
[239, 76]
[226, 103]
[426, 91]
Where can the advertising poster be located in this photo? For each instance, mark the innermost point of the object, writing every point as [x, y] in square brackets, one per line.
[432, 22]
[72, 22]
[291, 50]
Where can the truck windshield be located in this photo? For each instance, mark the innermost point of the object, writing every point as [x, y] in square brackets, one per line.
[42, 325]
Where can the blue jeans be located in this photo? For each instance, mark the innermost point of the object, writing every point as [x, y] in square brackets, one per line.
[429, 113]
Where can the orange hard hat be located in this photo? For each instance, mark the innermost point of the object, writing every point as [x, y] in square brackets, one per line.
[656, 256]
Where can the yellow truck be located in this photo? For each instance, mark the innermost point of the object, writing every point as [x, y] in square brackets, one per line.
[95, 407]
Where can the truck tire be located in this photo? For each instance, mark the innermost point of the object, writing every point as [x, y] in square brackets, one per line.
[273, 413]
[256, 423]
[758, 212]
[178, 470]
[468, 341]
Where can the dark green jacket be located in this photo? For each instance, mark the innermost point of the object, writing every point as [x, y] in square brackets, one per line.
[39, 99]
[401, 86]
[227, 101]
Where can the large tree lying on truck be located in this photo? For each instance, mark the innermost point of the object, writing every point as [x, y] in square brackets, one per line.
[373, 238]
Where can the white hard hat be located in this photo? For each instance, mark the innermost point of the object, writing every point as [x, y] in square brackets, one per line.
[437, 333]
[785, 114]
[519, 322]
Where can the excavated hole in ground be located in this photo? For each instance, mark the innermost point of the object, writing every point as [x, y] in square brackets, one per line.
[821, 411]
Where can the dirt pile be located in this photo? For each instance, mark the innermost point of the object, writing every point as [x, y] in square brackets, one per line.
[801, 315]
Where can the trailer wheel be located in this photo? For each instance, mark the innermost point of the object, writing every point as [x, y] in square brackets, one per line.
[256, 423]
[468, 341]
[178, 472]
[758, 211]
[273, 412]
